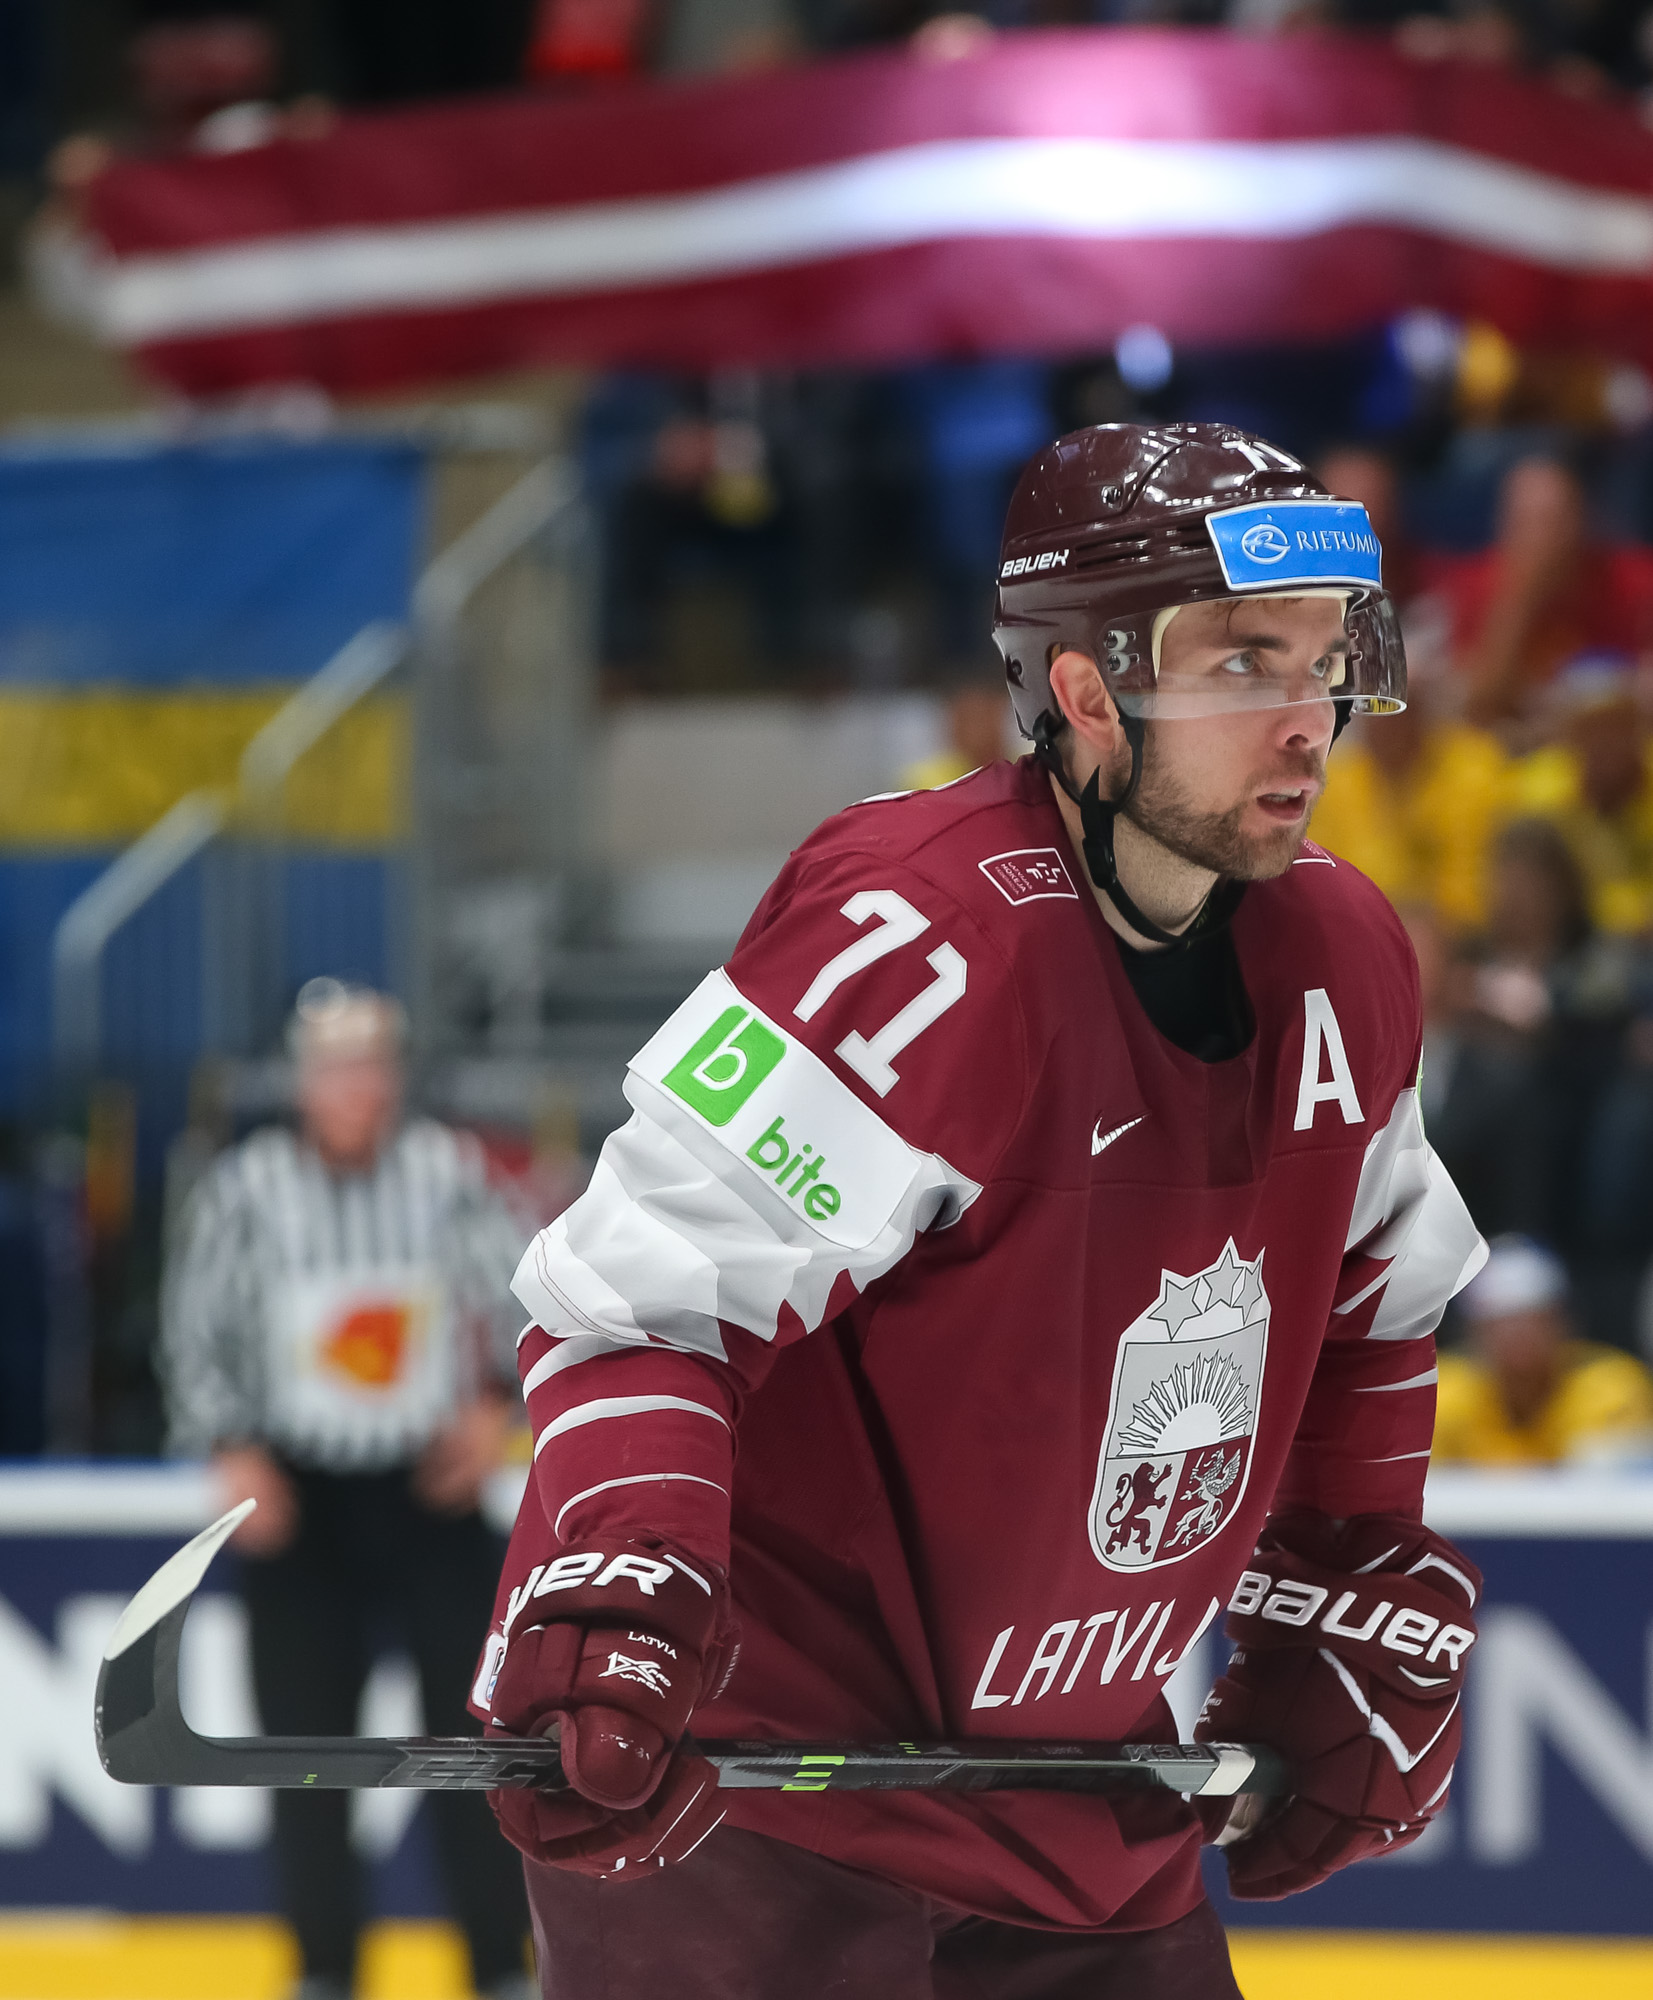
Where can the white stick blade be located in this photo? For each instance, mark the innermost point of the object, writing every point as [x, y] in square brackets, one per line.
[177, 1578]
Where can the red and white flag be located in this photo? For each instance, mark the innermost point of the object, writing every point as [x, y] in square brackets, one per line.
[1033, 199]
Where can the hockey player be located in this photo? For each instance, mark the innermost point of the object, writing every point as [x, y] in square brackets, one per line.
[1023, 1248]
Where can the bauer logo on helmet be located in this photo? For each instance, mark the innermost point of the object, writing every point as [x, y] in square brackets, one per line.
[1021, 565]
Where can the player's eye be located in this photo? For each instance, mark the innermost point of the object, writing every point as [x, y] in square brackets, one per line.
[1329, 668]
[1239, 663]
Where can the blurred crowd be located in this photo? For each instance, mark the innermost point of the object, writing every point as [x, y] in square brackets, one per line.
[817, 529]
[1509, 815]
[198, 70]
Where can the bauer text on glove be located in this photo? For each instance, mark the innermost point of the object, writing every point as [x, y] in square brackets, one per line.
[1352, 1641]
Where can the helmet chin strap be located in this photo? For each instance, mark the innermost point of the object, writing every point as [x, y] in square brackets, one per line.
[1096, 820]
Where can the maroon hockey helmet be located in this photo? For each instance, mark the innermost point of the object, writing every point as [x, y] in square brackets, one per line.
[1114, 528]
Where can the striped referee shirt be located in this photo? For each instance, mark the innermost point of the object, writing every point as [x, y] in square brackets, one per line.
[269, 1232]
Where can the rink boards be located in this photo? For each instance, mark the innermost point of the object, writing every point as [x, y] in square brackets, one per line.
[1550, 1829]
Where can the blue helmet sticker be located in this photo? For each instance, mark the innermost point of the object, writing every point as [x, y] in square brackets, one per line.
[1277, 544]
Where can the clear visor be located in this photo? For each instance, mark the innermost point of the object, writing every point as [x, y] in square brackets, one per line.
[1238, 654]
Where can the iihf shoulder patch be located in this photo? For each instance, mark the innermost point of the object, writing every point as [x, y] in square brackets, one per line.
[1029, 875]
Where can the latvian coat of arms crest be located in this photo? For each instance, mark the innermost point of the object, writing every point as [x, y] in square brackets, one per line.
[1182, 1416]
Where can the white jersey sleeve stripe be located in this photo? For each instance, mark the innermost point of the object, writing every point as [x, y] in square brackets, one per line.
[567, 1353]
[1422, 1381]
[634, 1479]
[700, 1212]
[1411, 1219]
[1354, 1304]
[619, 1406]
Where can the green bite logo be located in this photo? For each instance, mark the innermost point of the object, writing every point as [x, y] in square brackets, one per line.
[726, 1065]
[773, 1154]
[718, 1076]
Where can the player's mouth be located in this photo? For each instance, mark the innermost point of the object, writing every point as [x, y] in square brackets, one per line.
[1287, 806]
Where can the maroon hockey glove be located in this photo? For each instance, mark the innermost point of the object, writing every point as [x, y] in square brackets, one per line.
[1352, 1641]
[570, 1832]
[612, 1644]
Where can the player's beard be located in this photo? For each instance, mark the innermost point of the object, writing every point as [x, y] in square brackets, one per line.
[1218, 841]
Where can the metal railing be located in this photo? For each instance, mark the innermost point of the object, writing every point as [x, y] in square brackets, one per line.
[100, 910]
[354, 671]
[89, 925]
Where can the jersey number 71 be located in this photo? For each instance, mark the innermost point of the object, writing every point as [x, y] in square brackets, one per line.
[871, 1056]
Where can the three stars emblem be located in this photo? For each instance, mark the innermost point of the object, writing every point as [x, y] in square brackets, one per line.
[1230, 1282]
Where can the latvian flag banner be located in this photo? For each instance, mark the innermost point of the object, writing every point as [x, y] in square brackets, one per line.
[1034, 198]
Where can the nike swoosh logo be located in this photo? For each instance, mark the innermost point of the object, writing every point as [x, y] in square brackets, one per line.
[1101, 1140]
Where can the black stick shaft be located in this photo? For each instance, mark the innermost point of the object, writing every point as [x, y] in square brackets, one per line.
[143, 1738]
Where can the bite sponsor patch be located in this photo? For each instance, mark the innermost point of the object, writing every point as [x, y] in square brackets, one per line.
[1029, 875]
[777, 1109]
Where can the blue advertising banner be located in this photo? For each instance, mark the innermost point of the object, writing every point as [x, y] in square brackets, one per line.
[1550, 1827]
[74, 1546]
[243, 560]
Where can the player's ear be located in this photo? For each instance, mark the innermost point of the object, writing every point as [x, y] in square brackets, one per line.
[1085, 702]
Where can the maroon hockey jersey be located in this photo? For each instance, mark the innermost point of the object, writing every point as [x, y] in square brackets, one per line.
[1000, 1322]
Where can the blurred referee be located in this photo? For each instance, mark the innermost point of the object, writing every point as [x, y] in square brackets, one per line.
[338, 1334]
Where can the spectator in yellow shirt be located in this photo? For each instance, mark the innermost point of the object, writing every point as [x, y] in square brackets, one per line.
[1528, 1392]
[1414, 802]
[1416, 807]
[1596, 785]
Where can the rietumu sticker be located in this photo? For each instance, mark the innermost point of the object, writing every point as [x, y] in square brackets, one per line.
[1278, 544]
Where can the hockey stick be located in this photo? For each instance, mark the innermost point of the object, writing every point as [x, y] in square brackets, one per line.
[143, 1738]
